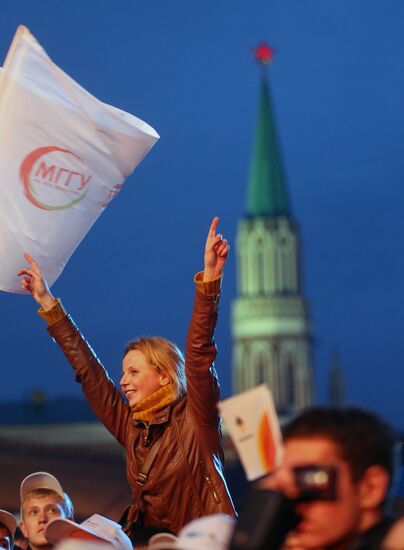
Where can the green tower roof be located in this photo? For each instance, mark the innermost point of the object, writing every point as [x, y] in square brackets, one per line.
[266, 192]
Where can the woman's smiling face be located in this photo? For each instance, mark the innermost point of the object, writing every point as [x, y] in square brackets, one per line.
[139, 378]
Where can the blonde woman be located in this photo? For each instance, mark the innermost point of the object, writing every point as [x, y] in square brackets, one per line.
[167, 420]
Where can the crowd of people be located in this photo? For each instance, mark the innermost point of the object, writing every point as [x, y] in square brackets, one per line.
[331, 491]
[47, 518]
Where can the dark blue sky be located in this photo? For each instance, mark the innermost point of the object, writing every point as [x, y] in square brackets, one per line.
[186, 69]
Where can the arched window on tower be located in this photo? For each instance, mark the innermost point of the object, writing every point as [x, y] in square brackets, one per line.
[287, 253]
[261, 261]
[284, 265]
[251, 269]
[260, 267]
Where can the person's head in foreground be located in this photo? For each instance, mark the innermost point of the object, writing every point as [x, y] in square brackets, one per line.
[359, 447]
[42, 499]
[8, 525]
[94, 529]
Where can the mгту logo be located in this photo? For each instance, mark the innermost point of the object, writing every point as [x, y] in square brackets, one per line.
[54, 178]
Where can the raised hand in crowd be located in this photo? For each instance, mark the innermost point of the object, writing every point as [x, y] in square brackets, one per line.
[216, 252]
[34, 282]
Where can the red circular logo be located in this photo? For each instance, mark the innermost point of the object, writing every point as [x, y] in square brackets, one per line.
[54, 178]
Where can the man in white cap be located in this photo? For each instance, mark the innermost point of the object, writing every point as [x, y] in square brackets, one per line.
[8, 526]
[96, 528]
[42, 499]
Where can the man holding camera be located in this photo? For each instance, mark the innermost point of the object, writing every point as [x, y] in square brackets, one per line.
[336, 470]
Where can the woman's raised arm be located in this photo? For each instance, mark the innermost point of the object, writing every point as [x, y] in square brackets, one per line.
[103, 396]
[202, 383]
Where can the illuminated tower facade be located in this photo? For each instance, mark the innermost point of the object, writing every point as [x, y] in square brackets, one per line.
[270, 318]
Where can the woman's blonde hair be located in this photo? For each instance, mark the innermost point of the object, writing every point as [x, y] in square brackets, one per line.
[164, 357]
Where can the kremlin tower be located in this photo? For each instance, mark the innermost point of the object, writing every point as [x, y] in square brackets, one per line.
[270, 316]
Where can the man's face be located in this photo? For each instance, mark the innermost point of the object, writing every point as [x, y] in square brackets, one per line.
[5, 538]
[324, 523]
[37, 512]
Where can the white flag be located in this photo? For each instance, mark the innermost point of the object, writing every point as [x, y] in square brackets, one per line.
[64, 156]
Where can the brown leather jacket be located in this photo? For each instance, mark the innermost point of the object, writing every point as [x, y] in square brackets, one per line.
[186, 479]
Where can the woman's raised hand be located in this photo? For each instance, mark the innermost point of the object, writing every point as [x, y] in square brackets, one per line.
[216, 252]
[34, 282]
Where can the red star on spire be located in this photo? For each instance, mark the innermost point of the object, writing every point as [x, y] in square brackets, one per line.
[263, 53]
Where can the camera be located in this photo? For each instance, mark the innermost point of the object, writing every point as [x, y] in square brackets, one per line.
[267, 516]
[315, 482]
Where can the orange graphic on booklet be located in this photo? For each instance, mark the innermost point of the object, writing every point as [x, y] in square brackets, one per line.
[266, 443]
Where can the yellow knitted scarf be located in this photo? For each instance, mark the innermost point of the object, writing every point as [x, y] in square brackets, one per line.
[146, 409]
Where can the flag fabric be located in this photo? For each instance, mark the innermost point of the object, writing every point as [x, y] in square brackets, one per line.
[251, 420]
[64, 155]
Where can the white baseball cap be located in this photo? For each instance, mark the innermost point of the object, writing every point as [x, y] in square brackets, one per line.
[9, 521]
[103, 528]
[212, 532]
[40, 480]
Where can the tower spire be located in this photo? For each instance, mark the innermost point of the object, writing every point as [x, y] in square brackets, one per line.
[270, 316]
[266, 191]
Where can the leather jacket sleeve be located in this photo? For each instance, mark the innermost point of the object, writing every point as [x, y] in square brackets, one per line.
[202, 383]
[102, 395]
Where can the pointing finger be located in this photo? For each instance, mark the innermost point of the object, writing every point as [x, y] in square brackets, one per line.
[32, 262]
[213, 225]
